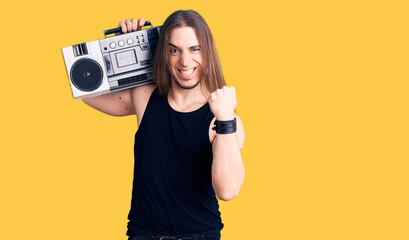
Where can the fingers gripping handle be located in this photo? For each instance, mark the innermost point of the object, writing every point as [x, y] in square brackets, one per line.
[119, 30]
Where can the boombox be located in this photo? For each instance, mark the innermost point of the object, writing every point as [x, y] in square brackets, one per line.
[111, 64]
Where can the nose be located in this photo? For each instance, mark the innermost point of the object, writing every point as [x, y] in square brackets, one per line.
[184, 59]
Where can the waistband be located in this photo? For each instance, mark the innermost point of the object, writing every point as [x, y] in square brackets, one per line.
[170, 237]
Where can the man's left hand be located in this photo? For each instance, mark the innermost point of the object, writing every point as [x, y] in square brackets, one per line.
[222, 103]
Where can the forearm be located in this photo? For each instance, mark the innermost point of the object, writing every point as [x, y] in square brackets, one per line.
[228, 167]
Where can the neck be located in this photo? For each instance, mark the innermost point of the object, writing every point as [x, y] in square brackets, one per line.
[187, 99]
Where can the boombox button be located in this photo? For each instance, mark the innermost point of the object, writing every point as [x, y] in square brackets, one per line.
[129, 41]
[112, 45]
[121, 43]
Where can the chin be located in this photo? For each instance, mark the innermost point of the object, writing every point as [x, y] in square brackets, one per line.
[183, 84]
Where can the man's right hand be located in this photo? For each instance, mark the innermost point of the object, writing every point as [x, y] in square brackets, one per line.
[129, 25]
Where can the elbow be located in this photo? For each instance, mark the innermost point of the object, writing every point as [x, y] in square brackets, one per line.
[227, 196]
[227, 191]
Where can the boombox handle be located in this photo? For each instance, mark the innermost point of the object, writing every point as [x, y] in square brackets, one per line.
[119, 29]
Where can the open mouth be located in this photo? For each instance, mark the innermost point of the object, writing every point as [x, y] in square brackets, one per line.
[187, 73]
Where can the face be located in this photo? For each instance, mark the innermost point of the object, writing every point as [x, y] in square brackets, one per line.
[185, 57]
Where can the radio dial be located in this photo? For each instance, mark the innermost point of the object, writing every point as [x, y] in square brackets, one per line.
[112, 45]
[121, 43]
[129, 41]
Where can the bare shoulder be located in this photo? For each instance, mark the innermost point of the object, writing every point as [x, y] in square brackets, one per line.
[239, 133]
[140, 96]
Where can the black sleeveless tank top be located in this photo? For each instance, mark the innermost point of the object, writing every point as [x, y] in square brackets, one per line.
[172, 189]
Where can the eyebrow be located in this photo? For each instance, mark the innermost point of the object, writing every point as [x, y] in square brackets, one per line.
[178, 47]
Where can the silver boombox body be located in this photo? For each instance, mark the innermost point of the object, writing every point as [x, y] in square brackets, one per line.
[111, 64]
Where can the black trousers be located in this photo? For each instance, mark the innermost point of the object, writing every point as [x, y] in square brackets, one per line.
[168, 237]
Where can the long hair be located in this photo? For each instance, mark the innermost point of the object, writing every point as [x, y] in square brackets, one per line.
[211, 73]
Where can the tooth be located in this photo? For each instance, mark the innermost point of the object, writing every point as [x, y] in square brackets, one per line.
[187, 72]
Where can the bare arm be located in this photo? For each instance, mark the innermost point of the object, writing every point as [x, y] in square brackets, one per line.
[115, 104]
[228, 167]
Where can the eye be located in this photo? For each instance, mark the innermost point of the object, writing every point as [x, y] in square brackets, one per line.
[174, 50]
[195, 49]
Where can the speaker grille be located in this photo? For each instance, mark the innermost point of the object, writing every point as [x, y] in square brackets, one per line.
[86, 75]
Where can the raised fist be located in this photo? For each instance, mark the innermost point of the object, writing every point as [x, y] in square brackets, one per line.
[222, 103]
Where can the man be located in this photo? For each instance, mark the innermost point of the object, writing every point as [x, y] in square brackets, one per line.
[181, 162]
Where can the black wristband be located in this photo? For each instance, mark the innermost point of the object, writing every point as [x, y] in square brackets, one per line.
[225, 127]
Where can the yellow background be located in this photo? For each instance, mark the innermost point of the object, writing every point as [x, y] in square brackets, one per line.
[322, 90]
